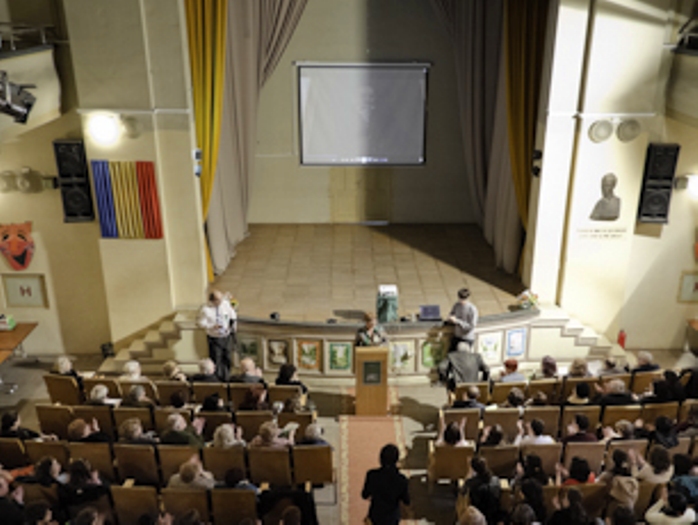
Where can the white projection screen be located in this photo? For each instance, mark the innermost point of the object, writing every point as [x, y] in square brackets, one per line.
[362, 114]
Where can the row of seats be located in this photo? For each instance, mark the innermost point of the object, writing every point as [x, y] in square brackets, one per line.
[54, 419]
[153, 465]
[453, 463]
[557, 390]
[65, 390]
[556, 419]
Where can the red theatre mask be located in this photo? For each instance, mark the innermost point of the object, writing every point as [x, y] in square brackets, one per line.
[17, 245]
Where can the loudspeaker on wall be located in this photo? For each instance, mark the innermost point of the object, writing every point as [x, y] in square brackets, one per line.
[74, 179]
[657, 182]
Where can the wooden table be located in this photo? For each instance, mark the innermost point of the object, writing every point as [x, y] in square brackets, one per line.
[11, 341]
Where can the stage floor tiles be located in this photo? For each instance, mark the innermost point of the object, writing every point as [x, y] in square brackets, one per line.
[314, 272]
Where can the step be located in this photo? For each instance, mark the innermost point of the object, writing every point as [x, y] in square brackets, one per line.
[168, 330]
[138, 349]
[153, 339]
[587, 337]
[573, 328]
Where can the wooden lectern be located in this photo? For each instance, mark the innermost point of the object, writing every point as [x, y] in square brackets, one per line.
[371, 380]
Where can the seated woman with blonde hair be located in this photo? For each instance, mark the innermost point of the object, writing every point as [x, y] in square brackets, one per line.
[270, 436]
[579, 368]
[226, 436]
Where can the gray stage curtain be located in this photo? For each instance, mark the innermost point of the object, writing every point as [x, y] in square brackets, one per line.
[258, 33]
[475, 28]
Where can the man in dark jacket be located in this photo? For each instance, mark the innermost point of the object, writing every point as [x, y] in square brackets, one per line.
[463, 366]
[386, 488]
[207, 372]
[11, 503]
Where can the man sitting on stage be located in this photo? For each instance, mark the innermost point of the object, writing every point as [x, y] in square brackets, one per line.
[218, 318]
[464, 319]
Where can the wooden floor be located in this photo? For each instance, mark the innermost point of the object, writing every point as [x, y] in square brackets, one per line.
[315, 272]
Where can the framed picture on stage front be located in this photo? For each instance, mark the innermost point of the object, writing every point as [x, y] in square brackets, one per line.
[278, 352]
[402, 356]
[250, 347]
[432, 352]
[340, 357]
[489, 345]
[309, 354]
[516, 342]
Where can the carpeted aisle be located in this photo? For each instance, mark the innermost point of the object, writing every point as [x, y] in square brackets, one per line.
[361, 438]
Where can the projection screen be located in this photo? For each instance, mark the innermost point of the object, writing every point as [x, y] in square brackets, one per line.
[362, 114]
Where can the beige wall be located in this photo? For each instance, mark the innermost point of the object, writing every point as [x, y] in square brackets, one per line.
[361, 31]
[76, 320]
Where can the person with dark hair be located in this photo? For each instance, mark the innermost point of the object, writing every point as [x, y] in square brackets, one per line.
[213, 403]
[522, 514]
[88, 516]
[291, 516]
[470, 399]
[288, 375]
[11, 501]
[578, 431]
[664, 433]
[538, 399]
[533, 435]
[515, 399]
[579, 472]
[670, 508]
[38, 513]
[463, 317]
[622, 516]
[492, 436]
[255, 398]
[10, 427]
[685, 480]
[386, 487]
[484, 490]
[689, 427]
[235, 479]
[581, 395]
[532, 494]
[530, 468]
[676, 388]
[179, 399]
[569, 508]
[657, 470]
[452, 434]
[623, 488]
[611, 368]
[548, 368]
[84, 485]
[661, 393]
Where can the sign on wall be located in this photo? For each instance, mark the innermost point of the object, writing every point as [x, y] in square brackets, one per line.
[17, 244]
[25, 290]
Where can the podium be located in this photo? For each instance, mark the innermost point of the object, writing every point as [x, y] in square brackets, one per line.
[371, 380]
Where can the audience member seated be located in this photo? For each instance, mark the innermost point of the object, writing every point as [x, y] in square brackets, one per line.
[530, 492]
[623, 487]
[84, 432]
[39, 513]
[569, 509]
[663, 433]
[288, 375]
[132, 372]
[661, 393]
[313, 435]
[685, 479]
[645, 362]
[539, 399]
[462, 366]
[192, 475]
[172, 372]
[47, 473]
[510, 374]
[658, 468]
[610, 368]
[270, 436]
[580, 396]
[530, 468]
[471, 516]
[492, 436]
[99, 396]
[10, 427]
[91, 516]
[255, 398]
[578, 431]
[235, 479]
[578, 473]
[11, 501]
[614, 393]
[179, 433]
[578, 368]
[622, 430]
[470, 398]
[533, 434]
[64, 367]
[548, 368]
[522, 514]
[515, 399]
[226, 436]
[678, 391]
[213, 403]
[249, 373]
[84, 485]
[207, 372]
[689, 428]
[180, 399]
[484, 490]
[452, 434]
[371, 334]
[292, 405]
[131, 433]
[670, 508]
[691, 384]
[136, 398]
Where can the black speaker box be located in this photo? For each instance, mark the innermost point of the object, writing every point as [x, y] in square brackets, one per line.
[74, 180]
[658, 182]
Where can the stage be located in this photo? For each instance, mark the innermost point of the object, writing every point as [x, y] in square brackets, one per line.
[312, 272]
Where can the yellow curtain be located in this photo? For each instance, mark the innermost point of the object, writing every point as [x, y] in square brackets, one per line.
[525, 40]
[206, 25]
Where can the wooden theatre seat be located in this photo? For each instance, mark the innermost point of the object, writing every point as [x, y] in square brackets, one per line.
[172, 457]
[593, 452]
[103, 415]
[642, 381]
[98, 454]
[160, 415]
[131, 502]
[54, 419]
[166, 389]
[472, 422]
[483, 386]
[613, 414]
[686, 409]
[203, 390]
[213, 421]
[592, 412]
[646, 496]
[121, 414]
[501, 459]
[549, 415]
[626, 378]
[12, 453]
[250, 421]
[570, 384]
[233, 506]
[651, 412]
[137, 462]
[506, 417]
[178, 501]
[150, 390]
[63, 389]
[500, 391]
[237, 393]
[313, 464]
[550, 387]
[640, 445]
[112, 385]
[549, 455]
[36, 450]
[218, 461]
[302, 418]
[447, 462]
[270, 465]
[594, 498]
[36, 492]
[282, 392]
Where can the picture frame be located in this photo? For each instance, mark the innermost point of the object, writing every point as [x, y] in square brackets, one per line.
[371, 373]
[250, 346]
[688, 287]
[340, 357]
[309, 354]
[516, 342]
[278, 353]
[431, 353]
[403, 356]
[25, 290]
[489, 346]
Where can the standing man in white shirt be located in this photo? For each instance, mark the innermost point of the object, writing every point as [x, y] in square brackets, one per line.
[463, 317]
[219, 319]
